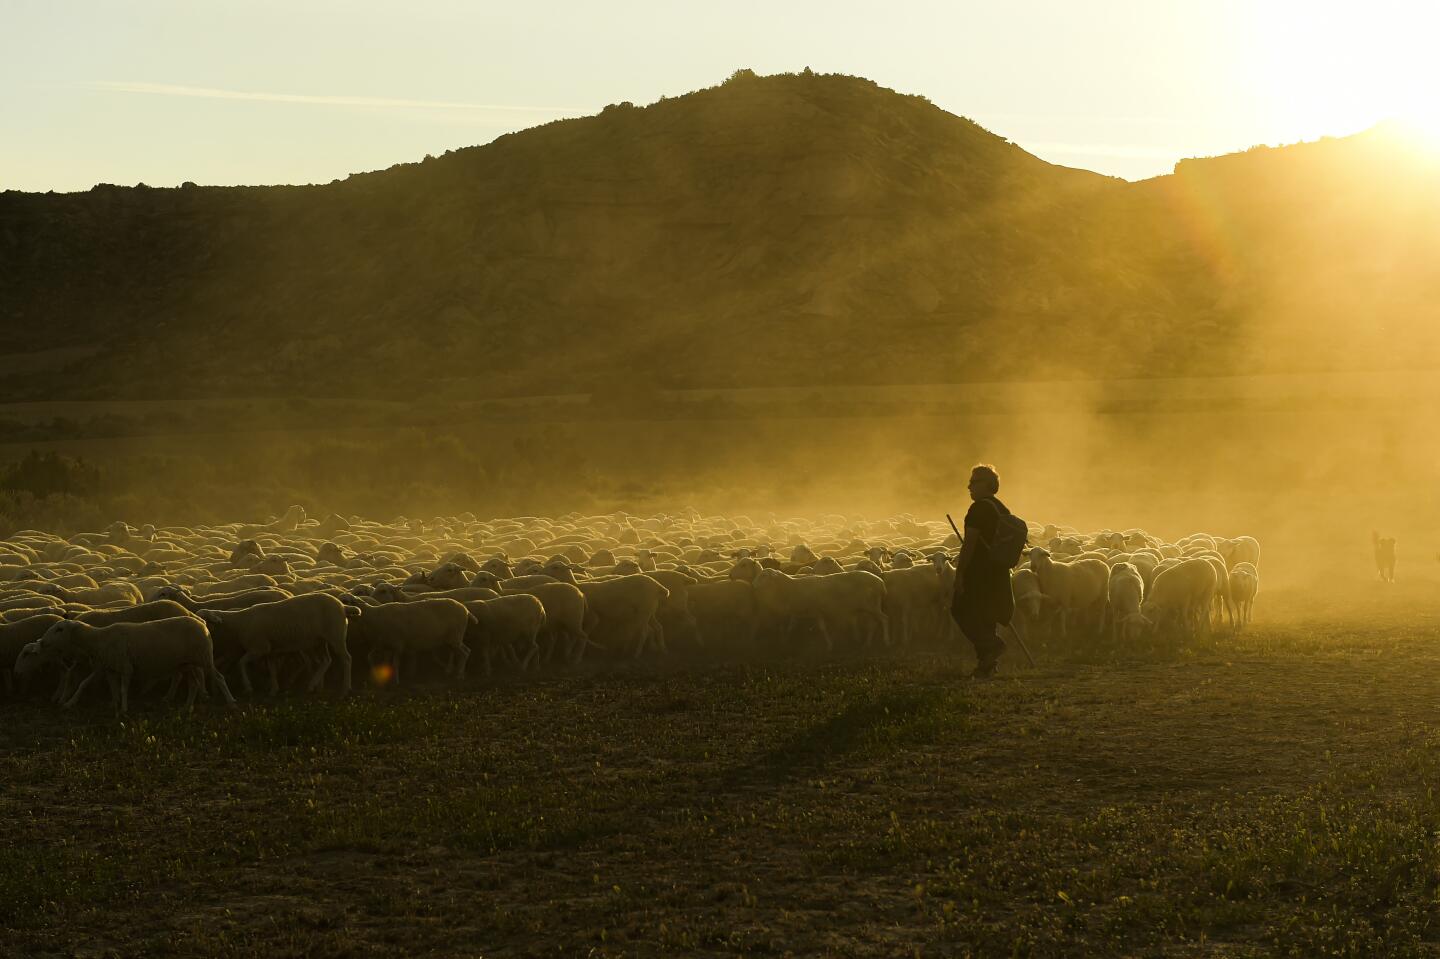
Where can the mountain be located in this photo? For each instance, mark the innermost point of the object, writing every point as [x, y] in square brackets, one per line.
[783, 230]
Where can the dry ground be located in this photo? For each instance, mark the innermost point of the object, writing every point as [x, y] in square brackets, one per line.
[1270, 795]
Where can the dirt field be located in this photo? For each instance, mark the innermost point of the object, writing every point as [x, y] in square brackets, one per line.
[1270, 795]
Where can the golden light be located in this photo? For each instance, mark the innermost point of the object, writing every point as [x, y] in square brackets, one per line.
[1331, 68]
[381, 674]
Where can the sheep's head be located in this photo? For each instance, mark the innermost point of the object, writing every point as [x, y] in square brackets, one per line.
[33, 657]
[1039, 557]
[61, 636]
[171, 592]
[248, 547]
[629, 566]
[1134, 626]
[496, 566]
[561, 571]
[447, 576]
[802, 555]
[388, 593]
[331, 553]
[486, 579]
[465, 561]
[826, 565]
[270, 565]
[767, 586]
[747, 569]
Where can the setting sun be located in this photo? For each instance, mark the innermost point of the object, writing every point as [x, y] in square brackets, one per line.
[1333, 68]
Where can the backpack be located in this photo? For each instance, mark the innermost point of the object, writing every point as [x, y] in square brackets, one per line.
[1011, 538]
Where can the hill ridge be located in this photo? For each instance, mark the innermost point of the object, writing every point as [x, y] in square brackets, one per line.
[782, 230]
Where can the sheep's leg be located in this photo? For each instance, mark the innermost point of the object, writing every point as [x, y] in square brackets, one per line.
[462, 656]
[62, 689]
[343, 655]
[274, 674]
[318, 680]
[825, 635]
[194, 678]
[532, 655]
[84, 683]
[245, 673]
[219, 680]
[124, 692]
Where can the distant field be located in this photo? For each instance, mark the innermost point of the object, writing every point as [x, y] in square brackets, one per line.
[466, 401]
[1271, 794]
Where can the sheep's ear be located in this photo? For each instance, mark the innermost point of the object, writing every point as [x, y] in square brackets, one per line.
[210, 615]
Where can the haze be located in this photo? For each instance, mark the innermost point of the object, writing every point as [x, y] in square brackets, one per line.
[276, 92]
[621, 479]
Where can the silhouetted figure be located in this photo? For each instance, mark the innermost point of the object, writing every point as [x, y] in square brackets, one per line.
[1384, 556]
[982, 599]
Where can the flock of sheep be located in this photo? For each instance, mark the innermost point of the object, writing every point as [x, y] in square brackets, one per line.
[303, 600]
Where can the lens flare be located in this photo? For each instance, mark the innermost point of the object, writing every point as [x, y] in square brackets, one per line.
[381, 674]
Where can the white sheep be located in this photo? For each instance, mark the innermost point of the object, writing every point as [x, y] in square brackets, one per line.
[118, 593]
[1079, 588]
[165, 647]
[915, 600]
[625, 611]
[1182, 594]
[314, 623]
[420, 626]
[1244, 586]
[851, 601]
[568, 619]
[508, 625]
[1241, 549]
[449, 575]
[1127, 595]
[240, 600]
[235, 584]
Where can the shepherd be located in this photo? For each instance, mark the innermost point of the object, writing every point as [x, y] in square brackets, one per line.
[990, 548]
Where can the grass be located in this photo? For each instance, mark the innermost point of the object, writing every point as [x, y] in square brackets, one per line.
[1271, 794]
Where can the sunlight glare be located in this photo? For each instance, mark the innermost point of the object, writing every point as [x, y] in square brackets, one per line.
[1333, 68]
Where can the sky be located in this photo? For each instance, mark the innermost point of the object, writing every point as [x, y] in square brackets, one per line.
[308, 91]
